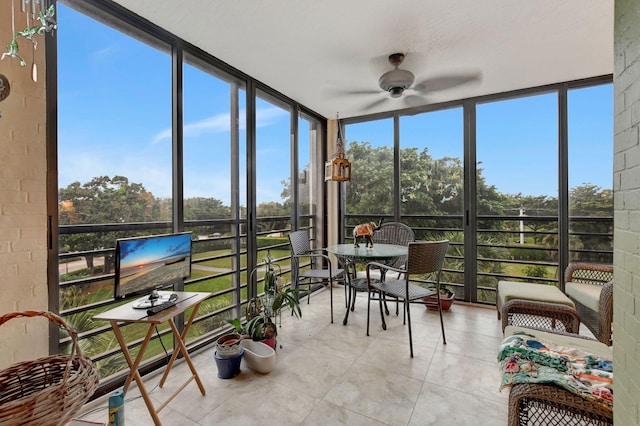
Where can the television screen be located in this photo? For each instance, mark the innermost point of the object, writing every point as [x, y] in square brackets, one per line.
[146, 264]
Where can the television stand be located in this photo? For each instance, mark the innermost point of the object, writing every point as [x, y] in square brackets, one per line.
[153, 299]
[125, 314]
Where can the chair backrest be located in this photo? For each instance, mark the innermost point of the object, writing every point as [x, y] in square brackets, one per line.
[589, 273]
[299, 241]
[395, 233]
[426, 256]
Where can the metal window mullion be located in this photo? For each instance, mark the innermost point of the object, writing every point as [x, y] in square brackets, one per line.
[397, 184]
[234, 142]
[470, 202]
[295, 185]
[252, 243]
[563, 184]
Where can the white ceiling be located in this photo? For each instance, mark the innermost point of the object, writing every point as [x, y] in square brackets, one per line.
[320, 52]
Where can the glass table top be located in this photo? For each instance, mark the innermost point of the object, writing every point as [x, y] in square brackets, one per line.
[378, 251]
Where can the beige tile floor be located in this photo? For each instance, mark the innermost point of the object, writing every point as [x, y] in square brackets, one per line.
[330, 374]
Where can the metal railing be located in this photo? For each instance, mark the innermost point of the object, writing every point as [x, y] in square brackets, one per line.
[508, 247]
[219, 266]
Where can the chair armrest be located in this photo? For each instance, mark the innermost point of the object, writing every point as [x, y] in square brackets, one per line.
[606, 314]
[311, 254]
[383, 266]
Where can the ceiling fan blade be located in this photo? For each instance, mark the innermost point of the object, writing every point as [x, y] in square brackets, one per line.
[375, 103]
[361, 92]
[445, 82]
[415, 100]
[341, 92]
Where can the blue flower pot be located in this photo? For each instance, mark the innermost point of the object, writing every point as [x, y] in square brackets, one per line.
[228, 367]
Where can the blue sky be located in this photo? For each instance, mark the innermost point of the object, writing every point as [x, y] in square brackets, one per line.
[115, 119]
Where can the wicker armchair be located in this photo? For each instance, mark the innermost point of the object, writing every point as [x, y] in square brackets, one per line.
[537, 404]
[590, 287]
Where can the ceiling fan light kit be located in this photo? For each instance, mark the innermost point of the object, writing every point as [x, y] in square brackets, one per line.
[396, 81]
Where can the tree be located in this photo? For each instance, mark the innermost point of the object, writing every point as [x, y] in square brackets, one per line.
[200, 208]
[370, 191]
[273, 209]
[102, 200]
[591, 201]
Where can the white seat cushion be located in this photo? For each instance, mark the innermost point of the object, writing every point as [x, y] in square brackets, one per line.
[586, 294]
[508, 290]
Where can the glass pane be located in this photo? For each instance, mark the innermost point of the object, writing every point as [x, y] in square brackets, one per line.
[517, 190]
[273, 176]
[308, 132]
[432, 182]
[211, 169]
[590, 115]
[114, 161]
[369, 194]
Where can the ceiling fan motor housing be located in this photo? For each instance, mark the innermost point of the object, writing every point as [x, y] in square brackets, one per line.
[396, 81]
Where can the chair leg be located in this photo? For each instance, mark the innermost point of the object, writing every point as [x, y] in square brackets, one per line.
[408, 310]
[380, 298]
[331, 298]
[444, 339]
[368, 309]
[346, 302]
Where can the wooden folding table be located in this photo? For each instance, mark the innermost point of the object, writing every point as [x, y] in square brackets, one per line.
[126, 314]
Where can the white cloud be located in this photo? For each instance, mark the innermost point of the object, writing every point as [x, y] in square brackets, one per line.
[220, 123]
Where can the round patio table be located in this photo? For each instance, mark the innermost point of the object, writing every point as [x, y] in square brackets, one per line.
[349, 255]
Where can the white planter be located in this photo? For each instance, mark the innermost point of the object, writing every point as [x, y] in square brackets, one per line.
[258, 356]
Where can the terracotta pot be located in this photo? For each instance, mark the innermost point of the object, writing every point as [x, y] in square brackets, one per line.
[445, 302]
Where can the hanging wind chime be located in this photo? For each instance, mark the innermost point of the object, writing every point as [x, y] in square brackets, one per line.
[338, 169]
[39, 19]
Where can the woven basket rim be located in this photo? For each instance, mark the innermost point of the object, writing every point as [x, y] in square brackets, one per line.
[52, 388]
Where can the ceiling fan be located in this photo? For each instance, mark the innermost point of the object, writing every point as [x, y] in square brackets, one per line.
[399, 83]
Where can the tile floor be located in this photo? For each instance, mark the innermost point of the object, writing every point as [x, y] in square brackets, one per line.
[330, 374]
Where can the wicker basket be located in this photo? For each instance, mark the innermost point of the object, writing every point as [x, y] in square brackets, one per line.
[49, 390]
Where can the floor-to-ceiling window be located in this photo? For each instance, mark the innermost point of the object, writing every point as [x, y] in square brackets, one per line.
[535, 197]
[156, 136]
[590, 173]
[114, 164]
[214, 104]
[432, 184]
[517, 190]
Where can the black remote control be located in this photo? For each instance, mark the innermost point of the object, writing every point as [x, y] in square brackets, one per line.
[160, 307]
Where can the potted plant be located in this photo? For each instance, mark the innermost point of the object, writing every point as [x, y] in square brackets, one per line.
[263, 311]
[446, 300]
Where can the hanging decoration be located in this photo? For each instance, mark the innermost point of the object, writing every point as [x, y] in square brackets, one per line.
[5, 88]
[339, 169]
[39, 19]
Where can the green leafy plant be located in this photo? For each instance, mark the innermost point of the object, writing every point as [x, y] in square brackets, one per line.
[262, 311]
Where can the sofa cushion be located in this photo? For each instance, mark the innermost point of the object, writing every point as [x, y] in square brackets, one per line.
[585, 294]
[508, 290]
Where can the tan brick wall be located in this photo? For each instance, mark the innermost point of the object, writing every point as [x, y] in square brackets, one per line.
[23, 212]
[626, 297]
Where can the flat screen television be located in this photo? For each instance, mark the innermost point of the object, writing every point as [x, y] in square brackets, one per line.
[143, 265]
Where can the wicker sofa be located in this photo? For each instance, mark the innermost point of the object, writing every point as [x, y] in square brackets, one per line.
[547, 404]
[590, 287]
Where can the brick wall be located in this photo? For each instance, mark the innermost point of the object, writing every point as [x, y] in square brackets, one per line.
[23, 213]
[626, 318]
